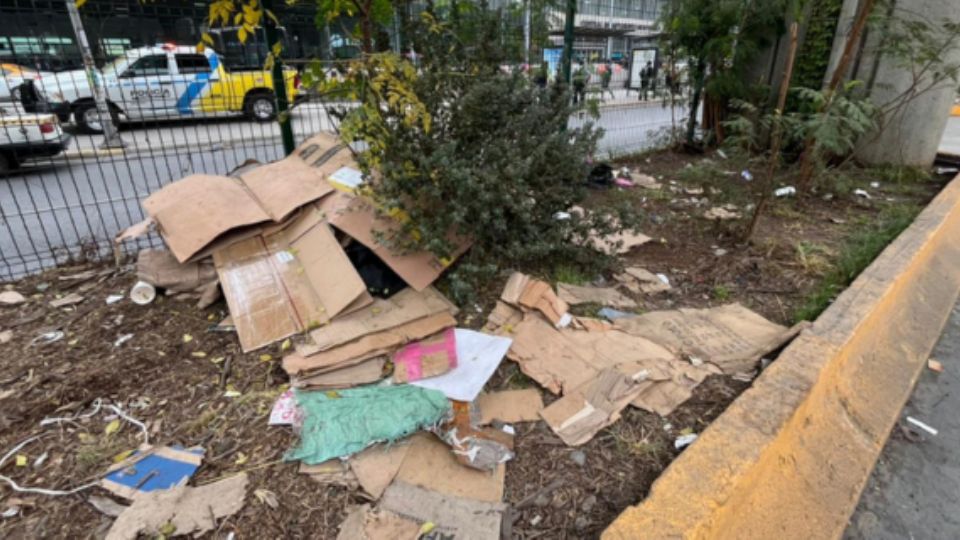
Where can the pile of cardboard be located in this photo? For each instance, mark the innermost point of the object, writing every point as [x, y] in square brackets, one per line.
[651, 361]
[274, 236]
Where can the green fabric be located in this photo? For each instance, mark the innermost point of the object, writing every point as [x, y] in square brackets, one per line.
[343, 422]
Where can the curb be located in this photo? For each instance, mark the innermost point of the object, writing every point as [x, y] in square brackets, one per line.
[790, 456]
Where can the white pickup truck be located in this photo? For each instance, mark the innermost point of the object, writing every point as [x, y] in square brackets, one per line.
[25, 136]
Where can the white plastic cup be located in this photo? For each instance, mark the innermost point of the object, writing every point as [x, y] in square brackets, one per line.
[142, 293]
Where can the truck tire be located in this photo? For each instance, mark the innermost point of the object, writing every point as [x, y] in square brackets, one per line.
[87, 119]
[261, 106]
[8, 162]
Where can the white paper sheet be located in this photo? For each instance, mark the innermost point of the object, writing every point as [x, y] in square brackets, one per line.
[478, 356]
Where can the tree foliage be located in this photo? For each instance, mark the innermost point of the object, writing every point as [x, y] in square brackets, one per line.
[465, 148]
[718, 39]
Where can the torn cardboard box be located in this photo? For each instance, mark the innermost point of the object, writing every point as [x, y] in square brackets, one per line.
[510, 406]
[287, 280]
[406, 306]
[430, 465]
[161, 269]
[605, 296]
[663, 397]
[642, 280]
[366, 523]
[592, 406]
[333, 472]
[366, 372]
[359, 219]
[187, 509]
[455, 517]
[378, 465]
[731, 337]
[366, 347]
[524, 291]
[193, 212]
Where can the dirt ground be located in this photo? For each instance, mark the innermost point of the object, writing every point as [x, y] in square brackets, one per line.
[192, 385]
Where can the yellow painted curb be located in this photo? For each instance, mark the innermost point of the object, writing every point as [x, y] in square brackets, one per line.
[789, 458]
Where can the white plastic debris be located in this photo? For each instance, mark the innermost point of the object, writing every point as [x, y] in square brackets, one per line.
[875, 185]
[746, 175]
[722, 154]
[663, 278]
[122, 339]
[684, 440]
[47, 337]
[114, 298]
[861, 193]
[562, 216]
[947, 170]
[785, 191]
[921, 425]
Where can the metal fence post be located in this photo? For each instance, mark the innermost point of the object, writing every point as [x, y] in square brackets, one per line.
[111, 138]
[279, 84]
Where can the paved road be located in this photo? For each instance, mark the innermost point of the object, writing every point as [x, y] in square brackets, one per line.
[914, 492]
[84, 197]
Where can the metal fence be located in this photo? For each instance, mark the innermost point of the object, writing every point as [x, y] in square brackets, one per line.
[180, 112]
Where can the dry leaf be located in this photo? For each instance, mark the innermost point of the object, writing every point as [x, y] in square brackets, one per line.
[267, 497]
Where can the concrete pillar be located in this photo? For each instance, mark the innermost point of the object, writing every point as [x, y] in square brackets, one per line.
[911, 134]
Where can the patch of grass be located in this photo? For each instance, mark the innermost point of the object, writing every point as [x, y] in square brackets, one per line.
[570, 274]
[857, 253]
[813, 257]
[720, 293]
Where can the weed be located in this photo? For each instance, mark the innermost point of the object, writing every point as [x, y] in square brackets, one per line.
[565, 273]
[721, 293]
[813, 257]
[857, 253]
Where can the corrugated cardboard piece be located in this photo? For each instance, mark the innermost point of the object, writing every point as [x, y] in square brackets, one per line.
[161, 269]
[365, 523]
[287, 280]
[456, 516]
[366, 347]
[366, 372]
[592, 406]
[403, 307]
[606, 296]
[429, 464]
[731, 337]
[359, 219]
[193, 212]
[510, 406]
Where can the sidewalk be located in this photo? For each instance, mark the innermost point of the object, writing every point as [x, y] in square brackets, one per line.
[913, 491]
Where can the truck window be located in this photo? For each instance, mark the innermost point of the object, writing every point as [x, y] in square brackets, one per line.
[192, 63]
[148, 66]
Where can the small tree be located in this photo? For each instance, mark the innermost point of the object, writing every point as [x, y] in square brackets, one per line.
[466, 150]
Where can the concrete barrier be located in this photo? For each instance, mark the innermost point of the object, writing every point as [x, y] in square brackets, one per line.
[789, 458]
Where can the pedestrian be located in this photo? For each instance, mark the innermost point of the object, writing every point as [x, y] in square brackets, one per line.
[579, 84]
[540, 76]
[605, 78]
[645, 73]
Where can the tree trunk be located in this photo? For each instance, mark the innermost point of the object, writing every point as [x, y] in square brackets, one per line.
[766, 186]
[806, 160]
[695, 101]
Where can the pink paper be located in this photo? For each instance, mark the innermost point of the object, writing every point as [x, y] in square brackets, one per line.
[411, 356]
